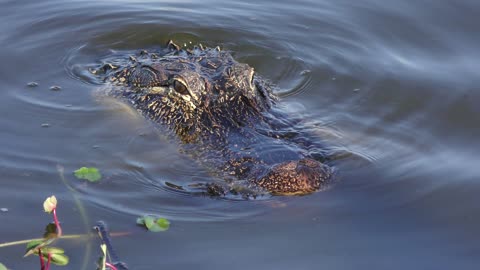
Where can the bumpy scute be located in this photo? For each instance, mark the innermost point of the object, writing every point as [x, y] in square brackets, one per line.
[296, 177]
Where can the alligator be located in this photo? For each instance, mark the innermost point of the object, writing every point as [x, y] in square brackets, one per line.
[225, 116]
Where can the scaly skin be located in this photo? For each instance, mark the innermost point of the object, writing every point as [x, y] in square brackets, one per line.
[222, 113]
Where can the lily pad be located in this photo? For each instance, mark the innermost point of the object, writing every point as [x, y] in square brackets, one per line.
[154, 224]
[91, 174]
[49, 204]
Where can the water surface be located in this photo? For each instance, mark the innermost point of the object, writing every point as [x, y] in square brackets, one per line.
[392, 83]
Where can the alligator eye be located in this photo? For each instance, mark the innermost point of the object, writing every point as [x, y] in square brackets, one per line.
[180, 87]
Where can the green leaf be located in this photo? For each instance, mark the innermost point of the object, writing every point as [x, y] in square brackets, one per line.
[154, 224]
[49, 204]
[52, 250]
[58, 259]
[90, 174]
[163, 224]
[3, 267]
[149, 222]
[34, 245]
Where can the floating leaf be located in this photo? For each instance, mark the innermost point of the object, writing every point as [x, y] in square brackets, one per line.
[149, 222]
[3, 267]
[154, 224]
[49, 204]
[58, 259]
[163, 224]
[90, 174]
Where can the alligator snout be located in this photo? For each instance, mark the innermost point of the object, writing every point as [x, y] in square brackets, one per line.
[296, 177]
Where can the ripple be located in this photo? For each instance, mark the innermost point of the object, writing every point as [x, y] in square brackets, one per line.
[135, 192]
[404, 145]
[409, 66]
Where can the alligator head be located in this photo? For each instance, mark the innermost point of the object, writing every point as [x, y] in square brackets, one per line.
[209, 100]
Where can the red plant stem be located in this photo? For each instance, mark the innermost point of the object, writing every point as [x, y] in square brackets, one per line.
[42, 263]
[57, 224]
[111, 266]
[49, 260]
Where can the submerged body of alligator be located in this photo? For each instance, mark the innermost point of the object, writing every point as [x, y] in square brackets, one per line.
[223, 114]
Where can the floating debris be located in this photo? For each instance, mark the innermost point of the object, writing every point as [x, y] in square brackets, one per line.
[55, 88]
[32, 84]
[45, 125]
[3, 209]
[356, 90]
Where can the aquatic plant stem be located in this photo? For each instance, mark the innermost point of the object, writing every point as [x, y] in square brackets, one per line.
[42, 263]
[57, 224]
[68, 236]
[111, 266]
[49, 261]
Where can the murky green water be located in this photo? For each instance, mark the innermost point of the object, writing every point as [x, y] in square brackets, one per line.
[395, 83]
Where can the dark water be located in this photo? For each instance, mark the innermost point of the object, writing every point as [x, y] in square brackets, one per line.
[394, 83]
